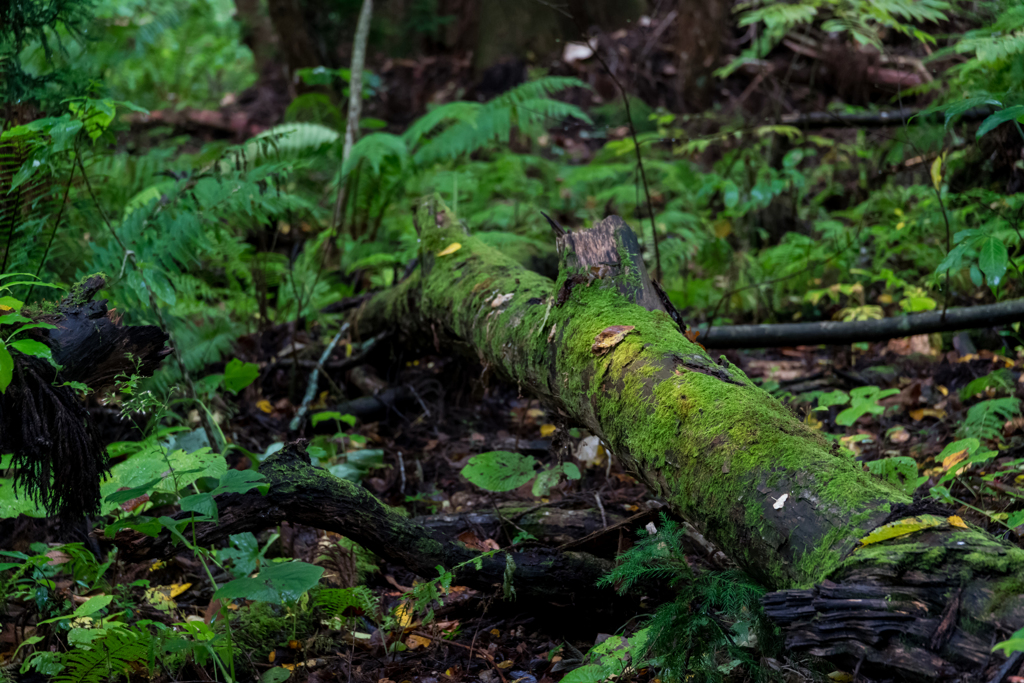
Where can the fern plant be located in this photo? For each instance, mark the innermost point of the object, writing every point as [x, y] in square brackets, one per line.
[984, 421]
[112, 655]
[715, 620]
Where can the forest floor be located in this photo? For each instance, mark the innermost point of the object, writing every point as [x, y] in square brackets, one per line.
[446, 409]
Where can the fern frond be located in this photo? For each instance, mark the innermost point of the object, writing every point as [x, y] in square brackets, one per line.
[334, 601]
[111, 655]
[985, 420]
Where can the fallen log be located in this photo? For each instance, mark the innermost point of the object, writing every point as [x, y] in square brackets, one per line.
[303, 494]
[832, 332]
[58, 460]
[777, 497]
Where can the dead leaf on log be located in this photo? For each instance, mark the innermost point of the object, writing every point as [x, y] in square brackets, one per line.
[922, 413]
[609, 338]
[450, 249]
[501, 300]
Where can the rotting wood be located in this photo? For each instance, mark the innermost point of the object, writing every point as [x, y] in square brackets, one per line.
[303, 494]
[774, 495]
[58, 459]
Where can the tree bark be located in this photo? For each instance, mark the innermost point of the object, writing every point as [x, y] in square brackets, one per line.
[303, 494]
[832, 332]
[58, 459]
[777, 497]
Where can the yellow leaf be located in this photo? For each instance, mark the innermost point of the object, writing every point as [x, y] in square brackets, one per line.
[954, 458]
[496, 633]
[404, 615]
[5, 308]
[265, 406]
[450, 249]
[177, 589]
[723, 228]
[901, 225]
[841, 677]
[921, 413]
[159, 564]
[943, 390]
[885, 299]
[957, 522]
[547, 430]
[414, 641]
[505, 665]
[609, 338]
[901, 527]
[272, 656]
[936, 170]
[289, 667]
[535, 413]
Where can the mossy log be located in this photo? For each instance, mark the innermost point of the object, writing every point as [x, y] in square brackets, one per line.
[303, 494]
[777, 497]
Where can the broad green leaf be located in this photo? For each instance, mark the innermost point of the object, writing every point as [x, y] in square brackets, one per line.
[571, 471]
[900, 471]
[545, 481]
[6, 368]
[278, 674]
[92, 605]
[155, 462]
[499, 470]
[278, 583]
[239, 374]
[992, 259]
[31, 347]
[240, 481]
[1015, 643]
[317, 418]
[14, 503]
[1014, 113]
[591, 673]
[201, 504]
[135, 492]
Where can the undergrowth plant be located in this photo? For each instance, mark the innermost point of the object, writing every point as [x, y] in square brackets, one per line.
[713, 624]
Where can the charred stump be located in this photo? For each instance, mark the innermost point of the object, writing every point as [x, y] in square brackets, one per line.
[58, 460]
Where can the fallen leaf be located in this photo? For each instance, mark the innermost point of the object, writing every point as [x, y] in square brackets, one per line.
[503, 299]
[450, 249]
[496, 633]
[265, 406]
[944, 391]
[609, 338]
[723, 228]
[505, 665]
[901, 527]
[921, 413]
[899, 435]
[957, 521]
[547, 430]
[130, 505]
[953, 458]
[781, 501]
[414, 641]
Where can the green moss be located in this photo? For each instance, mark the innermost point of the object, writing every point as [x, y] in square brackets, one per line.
[719, 448]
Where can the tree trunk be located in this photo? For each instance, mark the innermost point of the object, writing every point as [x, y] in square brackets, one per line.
[701, 30]
[777, 497]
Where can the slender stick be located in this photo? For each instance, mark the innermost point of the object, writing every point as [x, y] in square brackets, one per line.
[355, 96]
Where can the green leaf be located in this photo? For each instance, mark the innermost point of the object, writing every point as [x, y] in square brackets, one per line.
[278, 674]
[992, 259]
[240, 481]
[571, 471]
[591, 673]
[6, 368]
[1014, 113]
[900, 471]
[317, 418]
[545, 481]
[730, 194]
[31, 347]
[201, 504]
[92, 605]
[238, 375]
[135, 492]
[1014, 644]
[499, 470]
[278, 583]
[176, 470]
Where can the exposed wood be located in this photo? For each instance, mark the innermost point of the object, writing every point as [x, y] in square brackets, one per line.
[58, 459]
